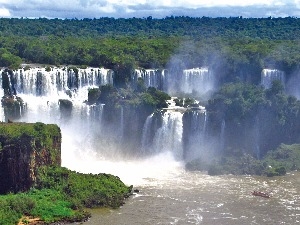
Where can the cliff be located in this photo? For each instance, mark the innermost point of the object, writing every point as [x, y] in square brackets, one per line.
[24, 148]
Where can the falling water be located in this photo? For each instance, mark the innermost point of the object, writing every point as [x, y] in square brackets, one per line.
[121, 123]
[152, 77]
[168, 194]
[2, 117]
[269, 75]
[147, 133]
[200, 80]
[168, 138]
[257, 138]
[222, 136]
[197, 144]
[42, 92]
[44, 81]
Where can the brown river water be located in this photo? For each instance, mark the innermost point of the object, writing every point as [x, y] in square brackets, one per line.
[170, 195]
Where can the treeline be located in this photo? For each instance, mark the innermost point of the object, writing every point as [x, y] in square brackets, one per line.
[204, 27]
[231, 47]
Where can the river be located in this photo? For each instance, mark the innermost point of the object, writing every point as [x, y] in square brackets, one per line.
[170, 195]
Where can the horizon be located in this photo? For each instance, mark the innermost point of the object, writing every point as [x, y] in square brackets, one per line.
[81, 9]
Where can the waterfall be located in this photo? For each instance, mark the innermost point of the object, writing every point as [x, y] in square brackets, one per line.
[168, 138]
[257, 138]
[95, 76]
[146, 134]
[2, 116]
[269, 75]
[222, 136]
[52, 81]
[196, 144]
[199, 80]
[50, 93]
[121, 124]
[152, 77]
[42, 88]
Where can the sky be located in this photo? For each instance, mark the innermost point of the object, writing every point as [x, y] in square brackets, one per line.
[144, 8]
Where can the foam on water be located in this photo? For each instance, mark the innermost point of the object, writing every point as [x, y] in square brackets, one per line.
[137, 172]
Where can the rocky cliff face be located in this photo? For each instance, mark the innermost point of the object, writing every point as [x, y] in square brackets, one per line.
[23, 149]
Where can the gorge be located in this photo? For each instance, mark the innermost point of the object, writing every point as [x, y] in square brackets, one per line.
[149, 148]
[183, 126]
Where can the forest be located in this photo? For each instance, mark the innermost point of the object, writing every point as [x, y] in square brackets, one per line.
[231, 46]
[236, 49]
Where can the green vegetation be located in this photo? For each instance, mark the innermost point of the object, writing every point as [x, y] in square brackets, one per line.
[234, 48]
[139, 98]
[205, 27]
[228, 45]
[250, 111]
[61, 195]
[43, 134]
[257, 122]
[277, 162]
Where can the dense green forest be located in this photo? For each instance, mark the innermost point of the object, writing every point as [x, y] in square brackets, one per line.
[205, 27]
[231, 46]
[235, 49]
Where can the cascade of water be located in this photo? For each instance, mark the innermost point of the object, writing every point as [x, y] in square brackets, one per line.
[164, 79]
[169, 136]
[41, 81]
[222, 136]
[269, 75]
[2, 117]
[197, 79]
[146, 134]
[152, 77]
[94, 77]
[43, 90]
[257, 138]
[122, 124]
[196, 143]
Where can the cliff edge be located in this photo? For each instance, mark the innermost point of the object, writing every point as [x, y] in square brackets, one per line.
[24, 147]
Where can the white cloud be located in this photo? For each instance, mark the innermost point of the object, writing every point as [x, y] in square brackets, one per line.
[4, 12]
[144, 8]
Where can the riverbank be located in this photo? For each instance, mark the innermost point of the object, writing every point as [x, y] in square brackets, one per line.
[278, 162]
[34, 185]
[61, 195]
[196, 198]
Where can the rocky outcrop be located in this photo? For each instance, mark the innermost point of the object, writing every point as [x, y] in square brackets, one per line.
[23, 149]
[14, 107]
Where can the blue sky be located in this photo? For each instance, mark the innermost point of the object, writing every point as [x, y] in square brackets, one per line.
[144, 8]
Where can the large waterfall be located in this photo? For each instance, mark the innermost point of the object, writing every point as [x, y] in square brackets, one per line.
[42, 90]
[152, 77]
[169, 136]
[166, 137]
[198, 80]
[45, 93]
[59, 95]
[195, 134]
[49, 81]
[269, 75]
